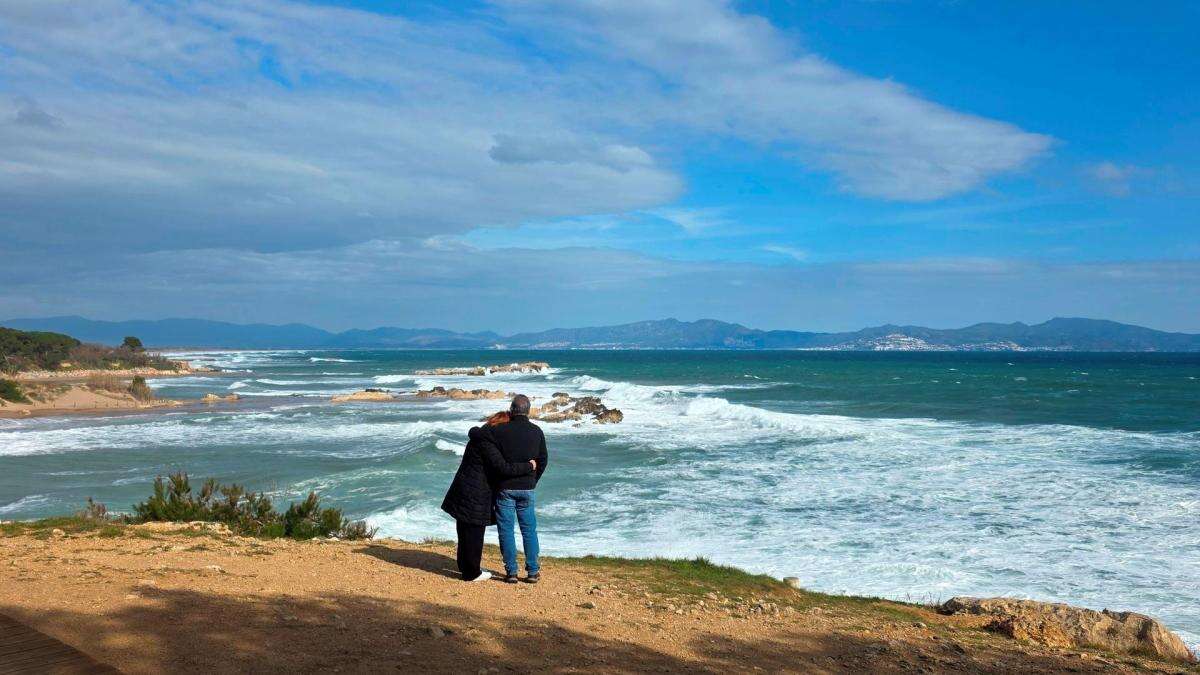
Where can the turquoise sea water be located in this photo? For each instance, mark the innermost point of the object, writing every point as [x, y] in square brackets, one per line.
[1068, 477]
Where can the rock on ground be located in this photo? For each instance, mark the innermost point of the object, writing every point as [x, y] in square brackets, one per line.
[1060, 625]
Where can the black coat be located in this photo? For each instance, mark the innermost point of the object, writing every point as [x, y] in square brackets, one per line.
[472, 493]
[520, 441]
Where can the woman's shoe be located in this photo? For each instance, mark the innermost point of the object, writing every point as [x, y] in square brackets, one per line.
[483, 576]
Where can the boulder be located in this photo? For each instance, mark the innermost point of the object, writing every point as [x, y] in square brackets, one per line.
[564, 416]
[215, 398]
[365, 395]
[589, 405]
[1065, 626]
[562, 408]
[609, 416]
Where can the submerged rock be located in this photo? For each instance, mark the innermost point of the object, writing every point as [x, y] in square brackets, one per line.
[1061, 625]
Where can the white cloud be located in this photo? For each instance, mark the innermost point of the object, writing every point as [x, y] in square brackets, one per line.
[797, 254]
[271, 123]
[174, 135]
[694, 221]
[1112, 178]
[734, 74]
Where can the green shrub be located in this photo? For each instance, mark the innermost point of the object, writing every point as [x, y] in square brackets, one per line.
[247, 513]
[11, 391]
[133, 344]
[140, 390]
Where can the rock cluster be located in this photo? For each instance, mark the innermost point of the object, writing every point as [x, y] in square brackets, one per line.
[563, 408]
[217, 398]
[456, 394]
[526, 367]
[365, 395]
[1060, 625]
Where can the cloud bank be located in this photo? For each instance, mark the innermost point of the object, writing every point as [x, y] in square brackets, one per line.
[270, 124]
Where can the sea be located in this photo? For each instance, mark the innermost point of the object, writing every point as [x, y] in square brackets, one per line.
[915, 476]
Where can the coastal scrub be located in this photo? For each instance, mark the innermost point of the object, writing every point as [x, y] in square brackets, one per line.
[246, 513]
[11, 391]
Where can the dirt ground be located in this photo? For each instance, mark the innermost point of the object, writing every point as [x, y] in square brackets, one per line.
[158, 599]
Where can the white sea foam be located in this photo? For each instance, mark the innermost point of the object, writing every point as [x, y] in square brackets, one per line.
[394, 379]
[318, 359]
[24, 503]
[448, 446]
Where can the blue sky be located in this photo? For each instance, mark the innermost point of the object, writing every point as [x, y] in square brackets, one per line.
[815, 165]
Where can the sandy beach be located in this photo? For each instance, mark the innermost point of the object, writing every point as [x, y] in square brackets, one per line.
[68, 392]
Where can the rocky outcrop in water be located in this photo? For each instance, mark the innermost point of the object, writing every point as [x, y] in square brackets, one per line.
[217, 398]
[562, 407]
[456, 394]
[478, 371]
[365, 395]
[1061, 625]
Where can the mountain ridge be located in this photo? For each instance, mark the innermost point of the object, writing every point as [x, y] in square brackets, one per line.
[1057, 334]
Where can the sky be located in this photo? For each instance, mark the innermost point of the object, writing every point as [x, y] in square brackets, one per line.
[518, 165]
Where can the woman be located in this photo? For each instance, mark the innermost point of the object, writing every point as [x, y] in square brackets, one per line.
[470, 498]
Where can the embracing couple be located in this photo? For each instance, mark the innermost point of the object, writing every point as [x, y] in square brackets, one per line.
[500, 468]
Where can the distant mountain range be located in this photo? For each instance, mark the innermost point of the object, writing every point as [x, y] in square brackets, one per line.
[1054, 335]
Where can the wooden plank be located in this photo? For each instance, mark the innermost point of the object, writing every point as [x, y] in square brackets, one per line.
[25, 650]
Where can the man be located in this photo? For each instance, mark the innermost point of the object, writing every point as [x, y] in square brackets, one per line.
[519, 441]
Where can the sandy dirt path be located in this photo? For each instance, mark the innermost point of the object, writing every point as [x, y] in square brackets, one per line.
[149, 600]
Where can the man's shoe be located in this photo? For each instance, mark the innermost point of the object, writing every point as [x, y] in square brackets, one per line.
[510, 578]
[483, 576]
[533, 578]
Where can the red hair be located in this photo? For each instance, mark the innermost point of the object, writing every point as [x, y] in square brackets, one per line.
[499, 418]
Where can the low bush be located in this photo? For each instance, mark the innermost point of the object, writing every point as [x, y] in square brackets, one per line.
[246, 513]
[11, 391]
[140, 390]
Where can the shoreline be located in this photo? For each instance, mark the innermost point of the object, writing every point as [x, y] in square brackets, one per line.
[387, 604]
[83, 374]
[60, 393]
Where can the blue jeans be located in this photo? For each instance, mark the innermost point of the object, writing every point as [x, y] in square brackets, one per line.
[517, 506]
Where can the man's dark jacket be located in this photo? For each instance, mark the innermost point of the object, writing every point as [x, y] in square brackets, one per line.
[472, 493]
[520, 440]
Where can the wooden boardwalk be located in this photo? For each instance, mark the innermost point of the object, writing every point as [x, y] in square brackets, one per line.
[25, 650]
